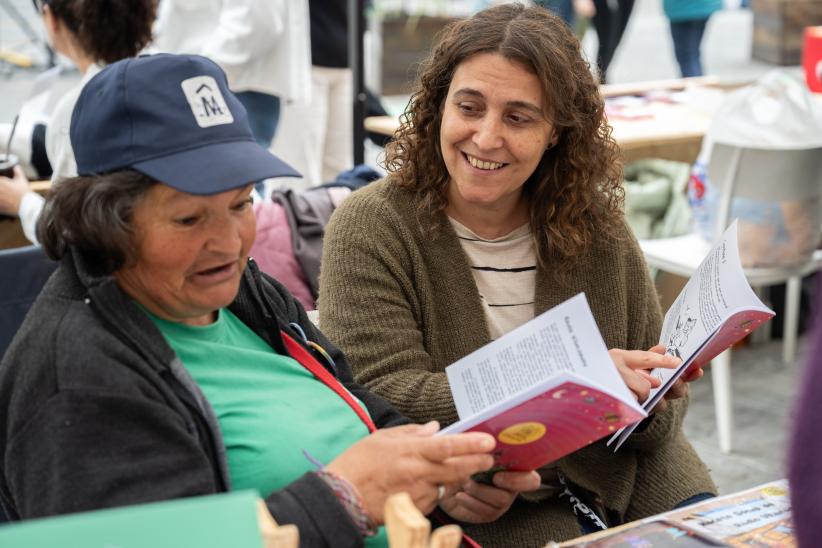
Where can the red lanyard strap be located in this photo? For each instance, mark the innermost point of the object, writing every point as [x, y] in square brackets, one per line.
[304, 357]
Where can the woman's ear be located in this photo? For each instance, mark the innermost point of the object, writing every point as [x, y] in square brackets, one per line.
[552, 141]
[54, 28]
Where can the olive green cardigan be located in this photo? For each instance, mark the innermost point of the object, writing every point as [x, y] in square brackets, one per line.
[403, 305]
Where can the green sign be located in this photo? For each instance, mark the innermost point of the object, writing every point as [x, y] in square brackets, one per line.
[215, 521]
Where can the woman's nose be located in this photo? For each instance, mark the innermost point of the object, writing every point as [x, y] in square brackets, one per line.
[488, 134]
[225, 236]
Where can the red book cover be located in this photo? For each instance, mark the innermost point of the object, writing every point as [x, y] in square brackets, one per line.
[554, 423]
[543, 390]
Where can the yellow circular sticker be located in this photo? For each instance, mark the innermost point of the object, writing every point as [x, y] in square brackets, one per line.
[774, 491]
[522, 433]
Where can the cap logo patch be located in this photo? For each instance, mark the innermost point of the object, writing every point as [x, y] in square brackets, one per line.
[206, 101]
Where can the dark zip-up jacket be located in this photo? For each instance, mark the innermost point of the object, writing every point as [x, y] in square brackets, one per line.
[97, 411]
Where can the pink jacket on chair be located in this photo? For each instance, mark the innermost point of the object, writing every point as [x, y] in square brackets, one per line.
[274, 253]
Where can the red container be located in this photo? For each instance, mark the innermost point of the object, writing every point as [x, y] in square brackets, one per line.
[812, 58]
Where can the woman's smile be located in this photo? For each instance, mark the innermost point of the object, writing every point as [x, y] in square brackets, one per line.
[481, 164]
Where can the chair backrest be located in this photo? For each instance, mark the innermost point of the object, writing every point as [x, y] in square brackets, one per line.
[780, 187]
[23, 272]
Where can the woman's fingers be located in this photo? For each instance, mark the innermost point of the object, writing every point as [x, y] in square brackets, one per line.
[423, 430]
[639, 386]
[410, 458]
[480, 503]
[645, 359]
[691, 376]
[678, 390]
[483, 505]
[469, 508]
[635, 366]
[441, 448]
[652, 380]
[495, 498]
[517, 482]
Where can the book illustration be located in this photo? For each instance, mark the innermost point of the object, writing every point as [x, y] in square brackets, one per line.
[679, 338]
[716, 308]
[543, 390]
[757, 517]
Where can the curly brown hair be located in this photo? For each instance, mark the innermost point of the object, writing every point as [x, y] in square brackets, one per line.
[575, 193]
[108, 31]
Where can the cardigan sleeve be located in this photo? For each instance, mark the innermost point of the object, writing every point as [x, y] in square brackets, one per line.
[368, 306]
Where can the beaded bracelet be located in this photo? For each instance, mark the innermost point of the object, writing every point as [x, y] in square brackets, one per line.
[350, 499]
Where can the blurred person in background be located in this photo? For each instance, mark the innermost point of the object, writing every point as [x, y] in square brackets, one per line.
[563, 8]
[262, 45]
[317, 137]
[90, 35]
[610, 18]
[572, 12]
[688, 19]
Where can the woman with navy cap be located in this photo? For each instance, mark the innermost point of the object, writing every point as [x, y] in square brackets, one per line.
[159, 362]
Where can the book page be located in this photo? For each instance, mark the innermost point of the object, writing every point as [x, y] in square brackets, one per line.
[564, 339]
[715, 309]
[716, 291]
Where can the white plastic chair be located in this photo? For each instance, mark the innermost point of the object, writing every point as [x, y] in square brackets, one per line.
[766, 175]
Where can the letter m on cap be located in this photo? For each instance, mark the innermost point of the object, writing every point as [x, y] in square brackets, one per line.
[206, 101]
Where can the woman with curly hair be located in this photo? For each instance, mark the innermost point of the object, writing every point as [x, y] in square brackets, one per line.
[504, 199]
[91, 35]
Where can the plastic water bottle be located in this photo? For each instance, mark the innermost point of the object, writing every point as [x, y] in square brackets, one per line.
[703, 197]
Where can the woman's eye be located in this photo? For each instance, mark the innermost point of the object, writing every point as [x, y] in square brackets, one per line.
[468, 108]
[518, 118]
[191, 220]
[245, 204]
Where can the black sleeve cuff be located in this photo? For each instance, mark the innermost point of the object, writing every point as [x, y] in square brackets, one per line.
[313, 507]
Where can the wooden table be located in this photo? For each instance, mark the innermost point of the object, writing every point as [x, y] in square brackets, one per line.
[658, 129]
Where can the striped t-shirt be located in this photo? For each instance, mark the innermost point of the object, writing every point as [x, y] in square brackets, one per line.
[505, 273]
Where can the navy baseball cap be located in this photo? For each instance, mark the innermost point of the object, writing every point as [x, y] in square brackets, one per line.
[173, 118]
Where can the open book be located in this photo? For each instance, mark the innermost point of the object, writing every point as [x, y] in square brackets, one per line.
[543, 390]
[715, 309]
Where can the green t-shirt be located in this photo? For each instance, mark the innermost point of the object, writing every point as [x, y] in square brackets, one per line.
[269, 407]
